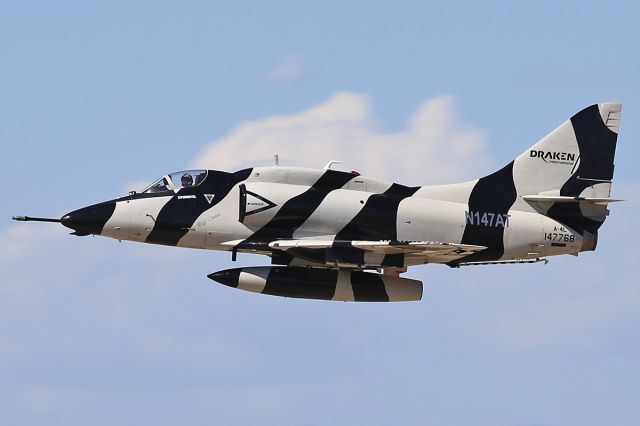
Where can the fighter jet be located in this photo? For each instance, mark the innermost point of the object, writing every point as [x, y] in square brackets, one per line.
[337, 235]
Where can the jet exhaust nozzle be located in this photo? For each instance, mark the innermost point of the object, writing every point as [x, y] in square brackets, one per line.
[589, 241]
[322, 284]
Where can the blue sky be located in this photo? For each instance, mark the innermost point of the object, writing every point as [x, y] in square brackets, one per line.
[95, 98]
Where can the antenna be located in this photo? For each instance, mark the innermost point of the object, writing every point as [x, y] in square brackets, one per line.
[276, 160]
[331, 163]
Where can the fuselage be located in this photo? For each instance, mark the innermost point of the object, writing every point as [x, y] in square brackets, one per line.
[248, 209]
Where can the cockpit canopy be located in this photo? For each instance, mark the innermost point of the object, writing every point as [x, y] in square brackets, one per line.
[176, 181]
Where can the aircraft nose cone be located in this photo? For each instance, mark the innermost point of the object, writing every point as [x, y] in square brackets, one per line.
[89, 220]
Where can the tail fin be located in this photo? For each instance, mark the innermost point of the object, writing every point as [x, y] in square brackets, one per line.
[566, 176]
[574, 160]
[568, 173]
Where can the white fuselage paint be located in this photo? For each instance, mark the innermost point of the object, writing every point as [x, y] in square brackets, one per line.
[134, 219]
[337, 209]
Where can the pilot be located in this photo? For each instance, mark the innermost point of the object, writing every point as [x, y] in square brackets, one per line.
[187, 180]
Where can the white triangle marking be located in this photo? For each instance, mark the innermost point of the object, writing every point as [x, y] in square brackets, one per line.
[209, 197]
[255, 203]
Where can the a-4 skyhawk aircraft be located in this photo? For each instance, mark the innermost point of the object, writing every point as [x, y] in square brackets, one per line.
[324, 229]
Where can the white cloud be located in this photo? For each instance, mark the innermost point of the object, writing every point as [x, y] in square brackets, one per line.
[291, 68]
[435, 147]
[17, 241]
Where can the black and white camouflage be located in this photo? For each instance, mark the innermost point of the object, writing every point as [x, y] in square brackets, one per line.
[325, 227]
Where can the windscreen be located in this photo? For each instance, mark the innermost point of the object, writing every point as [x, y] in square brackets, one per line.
[176, 181]
[161, 185]
[187, 178]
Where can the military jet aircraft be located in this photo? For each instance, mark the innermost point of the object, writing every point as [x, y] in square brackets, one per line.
[328, 232]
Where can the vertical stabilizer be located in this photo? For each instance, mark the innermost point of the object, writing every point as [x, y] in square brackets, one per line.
[574, 160]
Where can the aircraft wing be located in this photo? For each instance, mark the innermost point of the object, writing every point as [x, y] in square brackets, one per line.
[431, 250]
[381, 247]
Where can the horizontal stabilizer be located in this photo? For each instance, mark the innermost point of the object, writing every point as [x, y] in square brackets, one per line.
[568, 199]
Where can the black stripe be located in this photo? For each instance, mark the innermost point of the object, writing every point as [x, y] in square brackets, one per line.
[395, 260]
[241, 175]
[571, 215]
[495, 194]
[312, 255]
[368, 287]
[297, 210]
[378, 218]
[279, 257]
[597, 145]
[304, 283]
[343, 252]
[178, 215]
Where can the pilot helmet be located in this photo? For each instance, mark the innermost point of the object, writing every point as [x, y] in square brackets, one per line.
[187, 180]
